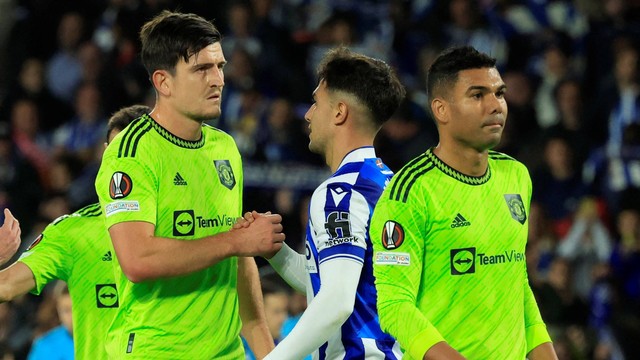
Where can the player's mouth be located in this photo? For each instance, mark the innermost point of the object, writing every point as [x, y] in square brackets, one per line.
[494, 124]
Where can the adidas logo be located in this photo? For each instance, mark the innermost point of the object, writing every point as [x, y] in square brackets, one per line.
[179, 180]
[459, 221]
[107, 256]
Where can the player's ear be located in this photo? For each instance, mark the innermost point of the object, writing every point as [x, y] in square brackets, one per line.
[440, 110]
[341, 112]
[161, 81]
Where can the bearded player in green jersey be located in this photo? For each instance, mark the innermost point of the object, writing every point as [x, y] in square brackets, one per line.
[171, 189]
[76, 249]
[450, 230]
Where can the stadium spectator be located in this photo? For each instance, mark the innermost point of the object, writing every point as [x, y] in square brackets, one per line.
[59, 340]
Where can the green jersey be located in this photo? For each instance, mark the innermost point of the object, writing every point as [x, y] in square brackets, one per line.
[449, 256]
[188, 190]
[77, 249]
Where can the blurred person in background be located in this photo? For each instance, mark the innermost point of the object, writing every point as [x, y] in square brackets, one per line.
[586, 245]
[58, 342]
[80, 135]
[276, 295]
[64, 69]
[30, 84]
[30, 143]
[557, 184]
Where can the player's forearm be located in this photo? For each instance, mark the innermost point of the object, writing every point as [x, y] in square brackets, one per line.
[254, 322]
[291, 267]
[15, 280]
[544, 351]
[152, 258]
[144, 256]
[324, 316]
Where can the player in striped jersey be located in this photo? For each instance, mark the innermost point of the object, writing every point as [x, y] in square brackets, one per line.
[355, 96]
[76, 249]
[450, 230]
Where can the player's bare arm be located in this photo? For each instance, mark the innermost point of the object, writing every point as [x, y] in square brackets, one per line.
[9, 237]
[144, 256]
[543, 351]
[15, 280]
[442, 351]
[254, 322]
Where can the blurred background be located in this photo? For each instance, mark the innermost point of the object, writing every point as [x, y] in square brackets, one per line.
[571, 68]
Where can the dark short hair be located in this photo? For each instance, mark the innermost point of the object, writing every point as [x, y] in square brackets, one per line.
[172, 35]
[443, 73]
[370, 80]
[123, 117]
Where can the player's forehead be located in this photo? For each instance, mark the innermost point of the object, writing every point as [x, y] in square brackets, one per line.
[211, 54]
[488, 78]
[321, 91]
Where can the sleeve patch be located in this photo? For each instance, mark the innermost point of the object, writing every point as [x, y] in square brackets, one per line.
[120, 206]
[392, 235]
[392, 258]
[120, 185]
[35, 242]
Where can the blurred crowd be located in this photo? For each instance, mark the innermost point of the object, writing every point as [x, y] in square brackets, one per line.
[571, 69]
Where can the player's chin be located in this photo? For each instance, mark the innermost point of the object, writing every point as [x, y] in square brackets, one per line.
[493, 142]
[211, 113]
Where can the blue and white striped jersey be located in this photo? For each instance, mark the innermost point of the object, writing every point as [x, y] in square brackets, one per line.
[339, 215]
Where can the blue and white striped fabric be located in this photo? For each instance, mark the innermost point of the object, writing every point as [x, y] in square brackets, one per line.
[339, 215]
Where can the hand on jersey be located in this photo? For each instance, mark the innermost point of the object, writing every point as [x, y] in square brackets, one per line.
[9, 237]
[263, 234]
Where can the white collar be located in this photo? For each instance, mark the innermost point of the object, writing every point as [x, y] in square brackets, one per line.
[358, 155]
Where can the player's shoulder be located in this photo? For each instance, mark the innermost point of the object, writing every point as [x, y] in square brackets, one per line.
[129, 140]
[403, 181]
[89, 214]
[213, 134]
[214, 131]
[501, 160]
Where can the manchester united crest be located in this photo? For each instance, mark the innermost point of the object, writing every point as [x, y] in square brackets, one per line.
[516, 207]
[225, 173]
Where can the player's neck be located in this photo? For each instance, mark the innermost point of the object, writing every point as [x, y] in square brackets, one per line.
[466, 160]
[176, 123]
[342, 145]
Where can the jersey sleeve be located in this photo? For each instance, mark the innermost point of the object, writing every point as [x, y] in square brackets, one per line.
[339, 216]
[127, 188]
[535, 328]
[397, 234]
[48, 258]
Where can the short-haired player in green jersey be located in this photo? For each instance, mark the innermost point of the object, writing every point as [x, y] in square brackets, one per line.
[171, 189]
[76, 249]
[449, 232]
